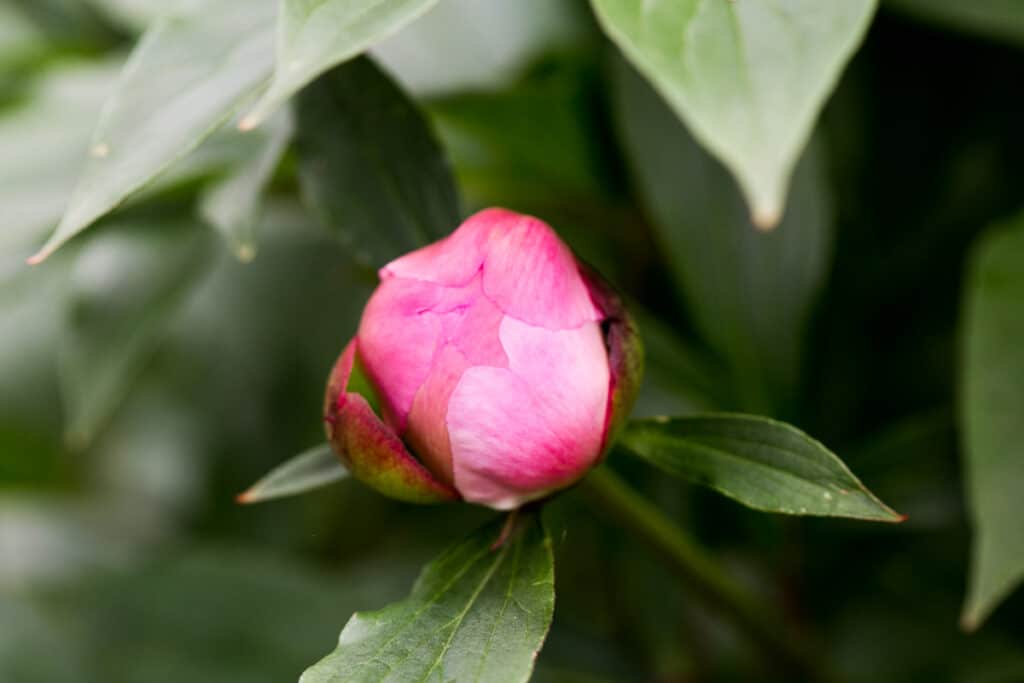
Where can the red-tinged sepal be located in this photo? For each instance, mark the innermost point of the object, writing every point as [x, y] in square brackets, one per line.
[370, 449]
[625, 353]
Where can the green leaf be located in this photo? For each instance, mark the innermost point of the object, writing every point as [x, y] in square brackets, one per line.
[749, 78]
[310, 470]
[186, 77]
[750, 292]
[763, 464]
[315, 35]
[125, 288]
[993, 417]
[1001, 19]
[232, 204]
[476, 613]
[370, 166]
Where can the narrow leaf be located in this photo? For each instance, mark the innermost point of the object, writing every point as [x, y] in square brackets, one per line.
[126, 287]
[315, 35]
[370, 166]
[477, 613]
[750, 293]
[749, 78]
[1001, 19]
[993, 417]
[763, 464]
[310, 470]
[232, 204]
[186, 77]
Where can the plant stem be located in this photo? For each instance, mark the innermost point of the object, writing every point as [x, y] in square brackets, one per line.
[638, 515]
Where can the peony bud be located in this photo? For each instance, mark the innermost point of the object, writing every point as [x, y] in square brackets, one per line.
[489, 366]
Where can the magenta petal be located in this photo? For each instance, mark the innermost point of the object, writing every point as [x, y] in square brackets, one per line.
[372, 452]
[520, 433]
[531, 275]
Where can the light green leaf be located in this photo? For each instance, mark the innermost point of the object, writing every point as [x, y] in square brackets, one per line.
[1002, 19]
[750, 292]
[993, 417]
[763, 464]
[315, 35]
[476, 614]
[749, 77]
[310, 470]
[369, 164]
[232, 204]
[186, 77]
[125, 288]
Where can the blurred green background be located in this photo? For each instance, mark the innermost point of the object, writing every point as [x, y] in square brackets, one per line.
[148, 375]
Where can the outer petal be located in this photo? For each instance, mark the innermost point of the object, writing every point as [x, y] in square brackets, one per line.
[520, 433]
[532, 276]
[372, 451]
[625, 352]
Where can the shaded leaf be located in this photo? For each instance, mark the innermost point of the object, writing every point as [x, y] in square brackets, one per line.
[750, 292]
[991, 413]
[232, 204]
[310, 470]
[761, 463]
[749, 78]
[315, 35]
[186, 77]
[126, 285]
[1002, 19]
[370, 166]
[476, 613]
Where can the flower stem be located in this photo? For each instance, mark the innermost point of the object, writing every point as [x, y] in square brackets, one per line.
[691, 562]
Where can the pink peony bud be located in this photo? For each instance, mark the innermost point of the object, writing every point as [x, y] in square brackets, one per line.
[499, 367]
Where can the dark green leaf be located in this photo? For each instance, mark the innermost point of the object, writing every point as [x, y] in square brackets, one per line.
[476, 614]
[315, 35]
[993, 417]
[186, 76]
[750, 292]
[307, 471]
[1002, 19]
[126, 286]
[749, 78]
[370, 166]
[763, 464]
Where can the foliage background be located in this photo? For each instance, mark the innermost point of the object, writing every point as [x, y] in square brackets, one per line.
[149, 374]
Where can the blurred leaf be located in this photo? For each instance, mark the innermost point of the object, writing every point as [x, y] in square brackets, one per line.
[1002, 19]
[370, 166]
[135, 14]
[476, 613]
[750, 292]
[232, 204]
[126, 286]
[186, 76]
[763, 464]
[315, 35]
[465, 45]
[993, 417]
[309, 470]
[20, 39]
[749, 78]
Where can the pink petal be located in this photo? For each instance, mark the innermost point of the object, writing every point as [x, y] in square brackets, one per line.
[517, 434]
[427, 432]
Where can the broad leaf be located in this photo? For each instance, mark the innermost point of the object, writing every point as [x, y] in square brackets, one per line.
[993, 417]
[1002, 19]
[370, 166]
[749, 78]
[233, 203]
[763, 464]
[312, 469]
[315, 35]
[750, 292]
[186, 77]
[126, 286]
[477, 613]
